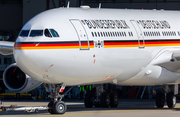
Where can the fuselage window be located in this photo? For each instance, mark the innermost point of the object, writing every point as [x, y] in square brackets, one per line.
[101, 34]
[117, 34]
[106, 34]
[35, 33]
[95, 34]
[109, 34]
[47, 33]
[98, 34]
[144, 33]
[24, 33]
[113, 34]
[92, 34]
[124, 33]
[54, 33]
[150, 34]
[120, 34]
[179, 33]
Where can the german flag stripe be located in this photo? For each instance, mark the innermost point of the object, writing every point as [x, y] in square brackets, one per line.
[135, 43]
[52, 45]
[84, 44]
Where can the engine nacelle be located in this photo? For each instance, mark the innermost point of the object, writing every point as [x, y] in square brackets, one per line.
[17, 81]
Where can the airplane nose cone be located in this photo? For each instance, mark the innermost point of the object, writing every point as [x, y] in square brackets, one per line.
[26, 61]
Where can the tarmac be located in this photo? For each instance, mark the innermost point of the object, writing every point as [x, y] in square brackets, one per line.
[76, 108]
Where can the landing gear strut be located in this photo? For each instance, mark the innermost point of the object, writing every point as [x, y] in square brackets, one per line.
[100, 98]
[56, 106]
[168, 96]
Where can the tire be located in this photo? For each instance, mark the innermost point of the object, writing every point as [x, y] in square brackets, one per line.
[171, 100]
[88, 101]
[36, 111]
[114, 100]
[160, 100]
[59, 107]
[50, 105]
[105, 100]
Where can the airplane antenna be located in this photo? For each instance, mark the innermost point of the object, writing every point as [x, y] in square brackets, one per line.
[99, 5]
[68, 4]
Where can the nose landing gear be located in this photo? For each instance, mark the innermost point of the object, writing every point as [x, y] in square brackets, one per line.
[56, 106]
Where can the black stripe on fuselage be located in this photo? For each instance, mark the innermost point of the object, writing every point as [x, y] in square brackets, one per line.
[59, 42]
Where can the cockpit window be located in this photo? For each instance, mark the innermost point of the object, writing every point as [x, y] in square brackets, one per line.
[47, 33]
[35, 33]
[24, 33]
[54, 33]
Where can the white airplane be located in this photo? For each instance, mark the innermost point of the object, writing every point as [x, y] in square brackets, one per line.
[78, 46]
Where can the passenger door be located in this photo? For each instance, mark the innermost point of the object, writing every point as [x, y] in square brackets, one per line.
[139, 34]
[81, 33]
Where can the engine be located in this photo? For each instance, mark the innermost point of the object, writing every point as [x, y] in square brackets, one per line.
[17, 81]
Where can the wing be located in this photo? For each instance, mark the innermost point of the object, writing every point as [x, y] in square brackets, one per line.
[6, 47]
[169, 60]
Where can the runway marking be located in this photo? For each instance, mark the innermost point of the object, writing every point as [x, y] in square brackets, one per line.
[88, 113]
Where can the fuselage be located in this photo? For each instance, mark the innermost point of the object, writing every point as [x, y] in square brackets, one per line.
[98, 46]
